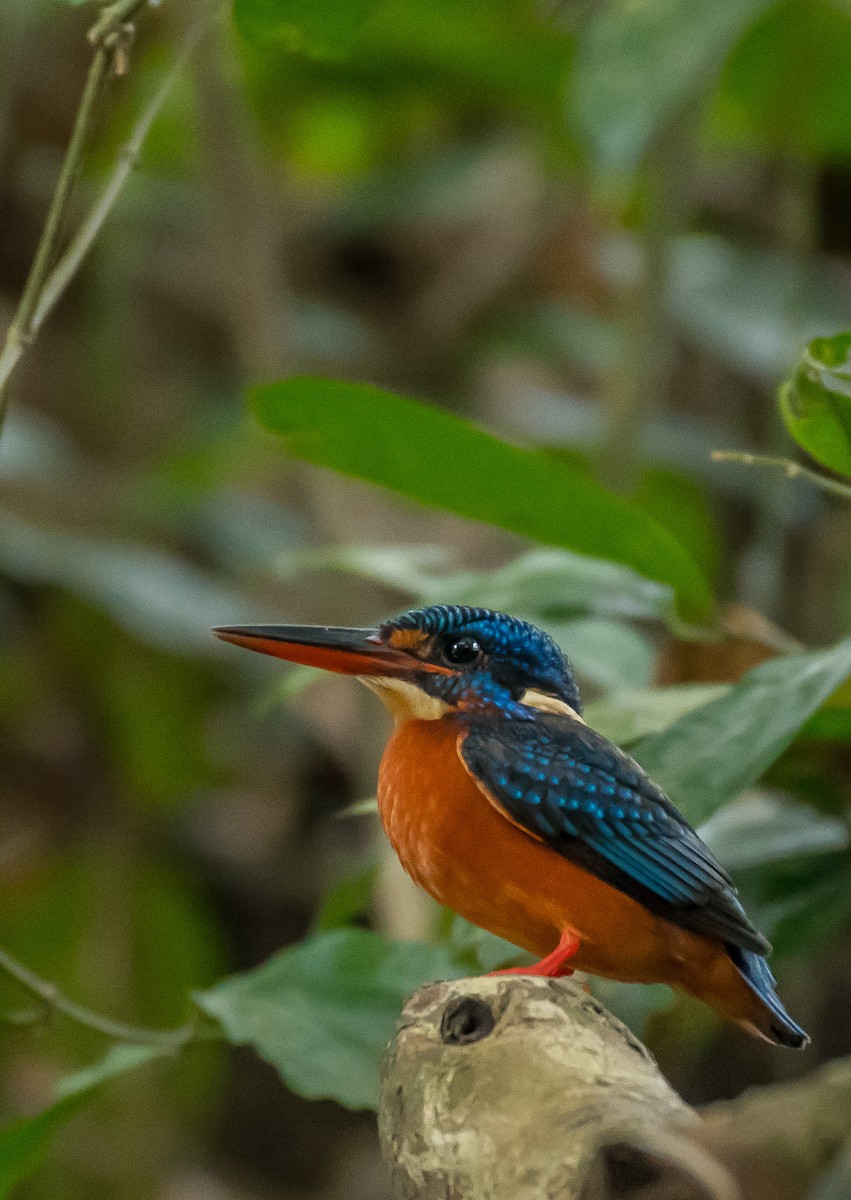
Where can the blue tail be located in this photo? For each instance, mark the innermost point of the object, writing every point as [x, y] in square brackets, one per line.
[779, 1026]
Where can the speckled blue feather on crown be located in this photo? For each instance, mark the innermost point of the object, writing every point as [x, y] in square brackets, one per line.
[520, 654]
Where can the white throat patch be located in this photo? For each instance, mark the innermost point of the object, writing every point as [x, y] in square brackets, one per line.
[404, 700]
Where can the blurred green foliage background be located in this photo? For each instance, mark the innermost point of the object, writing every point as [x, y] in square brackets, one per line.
[498, 277]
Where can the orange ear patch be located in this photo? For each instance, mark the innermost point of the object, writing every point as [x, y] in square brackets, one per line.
[411, 640]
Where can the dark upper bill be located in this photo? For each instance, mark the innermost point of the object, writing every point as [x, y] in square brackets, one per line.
[347, 651]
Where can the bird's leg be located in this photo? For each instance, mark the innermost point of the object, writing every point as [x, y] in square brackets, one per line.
[553, 966]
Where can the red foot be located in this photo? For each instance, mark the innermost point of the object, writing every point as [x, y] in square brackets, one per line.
[551, 967]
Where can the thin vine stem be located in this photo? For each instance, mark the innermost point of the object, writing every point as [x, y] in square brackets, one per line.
[791, 469]
[56, 1001]
[111, 35]
[126, 159]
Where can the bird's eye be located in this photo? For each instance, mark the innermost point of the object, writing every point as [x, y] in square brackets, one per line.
[460, 651]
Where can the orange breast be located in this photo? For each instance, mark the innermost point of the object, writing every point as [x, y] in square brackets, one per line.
[461, 849]
[468, 855]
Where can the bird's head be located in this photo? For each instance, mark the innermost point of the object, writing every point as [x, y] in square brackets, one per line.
[432, 660]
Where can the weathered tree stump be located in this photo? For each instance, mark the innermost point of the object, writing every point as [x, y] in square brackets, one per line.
[521, 1088]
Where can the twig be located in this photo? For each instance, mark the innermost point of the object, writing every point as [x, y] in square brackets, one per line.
[55, 1001]
[126, 159]
[115, 18]
[111, 35]
[792, 470]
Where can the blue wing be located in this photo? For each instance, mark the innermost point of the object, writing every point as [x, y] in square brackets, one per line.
[573, 789]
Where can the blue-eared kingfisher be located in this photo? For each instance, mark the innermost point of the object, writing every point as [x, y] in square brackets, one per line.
[506, 807]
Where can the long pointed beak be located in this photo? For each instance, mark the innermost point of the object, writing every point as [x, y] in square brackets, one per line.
[346, 651]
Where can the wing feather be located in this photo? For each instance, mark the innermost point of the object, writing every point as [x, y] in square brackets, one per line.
[571, 788]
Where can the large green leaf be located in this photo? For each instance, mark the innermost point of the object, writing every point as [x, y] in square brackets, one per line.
[638, 64]
[24, 1143]
[717, 750]
[816, 402]
[441, 460]
[322, 1012]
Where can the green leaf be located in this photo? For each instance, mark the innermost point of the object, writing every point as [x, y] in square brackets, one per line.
[117, 1060]
[716, 751]
[322, 1012]
[155, 596]
[638, 64]
[607, 653]
[629, 715]
[801, 903]
[24, 1143]
[764, 828]
[810, 41]
[543, 582]
[446, 462]
[323, 30]
[816, 402]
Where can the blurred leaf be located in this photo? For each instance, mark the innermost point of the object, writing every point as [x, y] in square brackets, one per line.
[34, 448]
[153, 595]
[404, 67]
[607, 653]
[117, 1060]
[322, 1012]
[638, 65]
[816, 402]
[763, 828]
[24, 1143]
[495, 51]
[361, 808]
[351, 897]
[554, 583]
[326, 30]
[717, 750]
[434, 457]
[801, 903]
[682, 506]
[750, 306]
[479, 951]
[563, 333]
[626, 716]
[808, 40]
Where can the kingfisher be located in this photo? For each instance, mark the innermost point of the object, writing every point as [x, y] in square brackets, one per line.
[506, 807]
